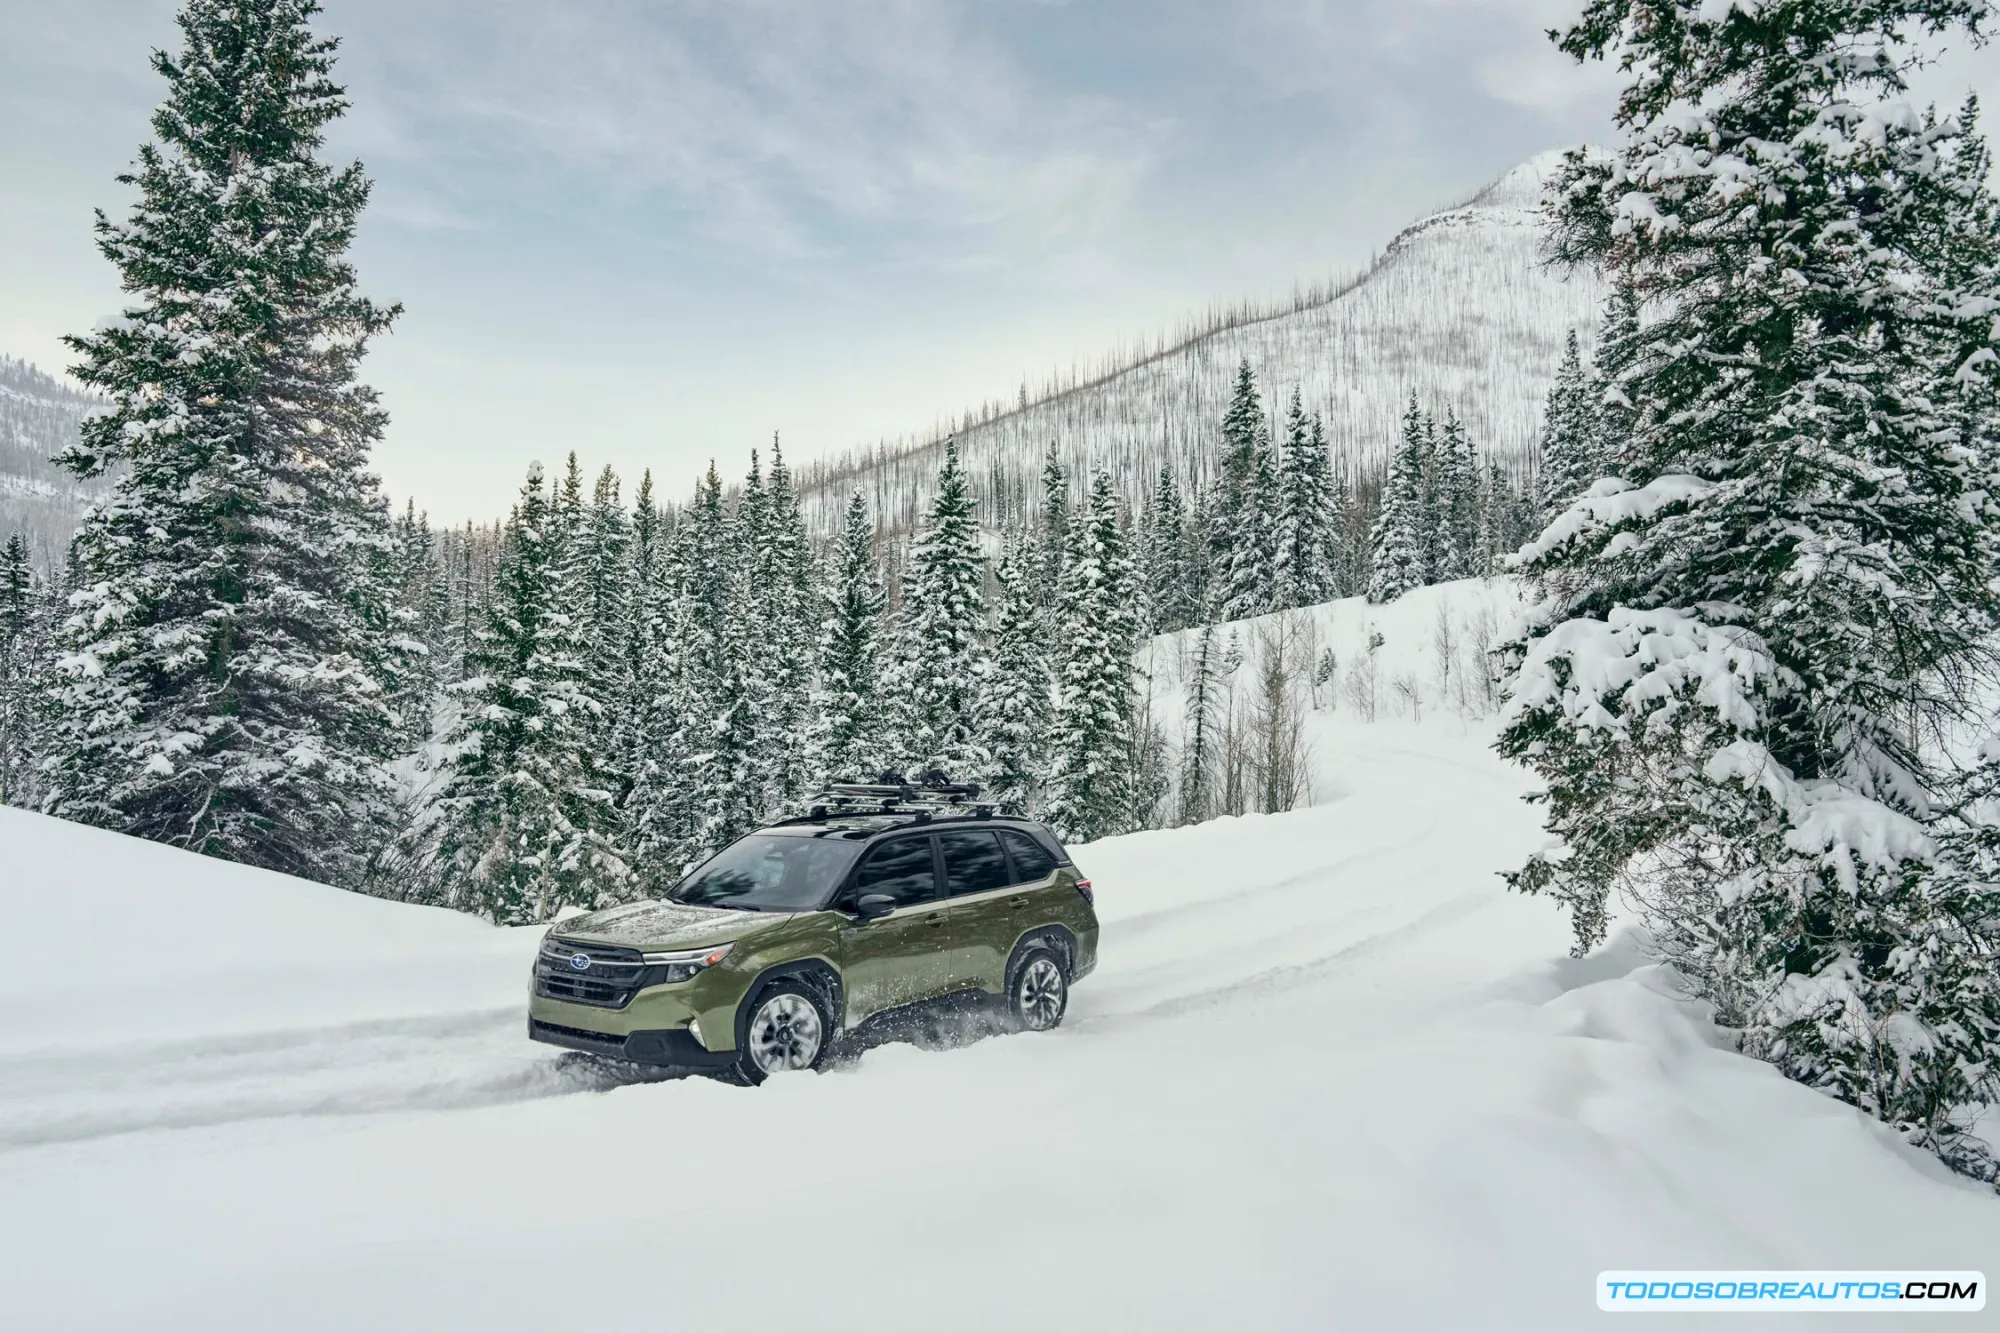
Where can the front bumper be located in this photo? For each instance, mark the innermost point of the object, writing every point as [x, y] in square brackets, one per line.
[672, 1048]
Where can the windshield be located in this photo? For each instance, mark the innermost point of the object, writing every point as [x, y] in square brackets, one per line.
[769, 872]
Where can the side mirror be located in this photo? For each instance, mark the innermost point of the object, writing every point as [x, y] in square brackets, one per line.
[870, 906]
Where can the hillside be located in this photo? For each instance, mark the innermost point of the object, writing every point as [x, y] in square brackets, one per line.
[38, 419]
[1459, 308]
[1360, 1060]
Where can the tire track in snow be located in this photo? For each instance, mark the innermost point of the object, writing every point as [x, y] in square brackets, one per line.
[432, 1062]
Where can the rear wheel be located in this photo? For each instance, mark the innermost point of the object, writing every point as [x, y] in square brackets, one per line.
[789, 1030]
[1038, 992]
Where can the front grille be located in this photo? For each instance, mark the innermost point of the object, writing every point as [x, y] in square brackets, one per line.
[609, 982]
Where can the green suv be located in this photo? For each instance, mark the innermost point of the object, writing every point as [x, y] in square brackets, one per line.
[884, 898]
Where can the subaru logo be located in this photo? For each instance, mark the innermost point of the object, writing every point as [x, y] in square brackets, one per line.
[581, 962]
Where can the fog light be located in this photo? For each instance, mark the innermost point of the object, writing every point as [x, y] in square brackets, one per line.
[694, 1026]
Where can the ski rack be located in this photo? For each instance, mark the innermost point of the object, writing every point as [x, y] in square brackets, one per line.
[922, 800]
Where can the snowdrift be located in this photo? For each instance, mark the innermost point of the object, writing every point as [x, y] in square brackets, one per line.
[1329, 1074]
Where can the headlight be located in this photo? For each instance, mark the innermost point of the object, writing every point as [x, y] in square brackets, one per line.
[684, 964]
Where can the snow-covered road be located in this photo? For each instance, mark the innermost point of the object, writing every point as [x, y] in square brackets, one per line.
[1328, 1074]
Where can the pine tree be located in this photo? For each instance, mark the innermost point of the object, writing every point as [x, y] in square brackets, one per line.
[1347, 552]
[23, 648]
[1456, 487]
[1090, 792]
[1746, 646]
[1571, 432]
[603, 579]
[1243, 535]
[1397, 545]
[1203, 595]
[1305, 578]
[943, 636]
[1014, 706]
[413, 691]
[724, 687]
[1201, 731]
[220, 689]
[847, 742]
[1053, 540]
[656, 812]
[1172, 595]
[783, 573]
[528, 817]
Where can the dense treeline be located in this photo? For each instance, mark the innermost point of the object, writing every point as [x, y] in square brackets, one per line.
[581, 700]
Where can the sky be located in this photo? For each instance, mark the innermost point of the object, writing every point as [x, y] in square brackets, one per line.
[660, 231]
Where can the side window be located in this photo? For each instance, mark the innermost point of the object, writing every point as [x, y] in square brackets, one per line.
[902, 869]
[1032, 861]
[973, 861]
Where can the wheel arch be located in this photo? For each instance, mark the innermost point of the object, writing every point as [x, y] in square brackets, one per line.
[1054, 936]
[815, 972]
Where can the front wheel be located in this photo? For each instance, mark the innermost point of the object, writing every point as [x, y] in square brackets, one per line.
[788, 1031]
[1039, 994]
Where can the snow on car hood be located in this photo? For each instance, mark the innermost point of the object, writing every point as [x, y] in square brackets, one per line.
[656, 925]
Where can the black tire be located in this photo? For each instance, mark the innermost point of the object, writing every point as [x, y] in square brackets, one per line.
[786, 1027]
[1037, 989]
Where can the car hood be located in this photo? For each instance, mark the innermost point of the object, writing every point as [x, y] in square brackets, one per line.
[658, 925]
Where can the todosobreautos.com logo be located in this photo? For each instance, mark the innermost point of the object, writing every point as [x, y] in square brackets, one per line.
[1874, 1292]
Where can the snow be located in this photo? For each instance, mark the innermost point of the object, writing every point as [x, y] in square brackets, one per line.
[1610, 502]
[1328, 1074]
[1460, 308]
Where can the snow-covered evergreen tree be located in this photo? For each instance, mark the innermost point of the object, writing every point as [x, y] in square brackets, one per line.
[528, 820]
[221, 686]
[24, 625]
[1571, 432]
[1747, 644]
[847, 739]
[1201, 731]
[781, 571]
[419, 632]
[1398, 545]
[1243, 533]
[1305, 516]
[657, 808]
[603, 577]
[1172, 596]
[1090, 782]
[943, 634]
[1052, 541]
[1347, 548]
[1455, 488]
[1014, 706]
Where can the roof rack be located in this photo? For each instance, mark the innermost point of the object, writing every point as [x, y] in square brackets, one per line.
[892, 794]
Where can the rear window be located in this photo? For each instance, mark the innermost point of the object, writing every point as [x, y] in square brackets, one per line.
[1031, 860]
[973, 862]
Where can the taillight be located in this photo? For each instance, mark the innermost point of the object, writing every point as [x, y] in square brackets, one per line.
[1083, 887]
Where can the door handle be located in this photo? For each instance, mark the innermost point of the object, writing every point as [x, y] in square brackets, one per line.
[1017, 902]
[937, 920]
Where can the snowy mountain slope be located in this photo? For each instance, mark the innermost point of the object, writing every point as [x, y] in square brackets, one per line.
[38, 418]
[1326, 1061]
[1459, 309]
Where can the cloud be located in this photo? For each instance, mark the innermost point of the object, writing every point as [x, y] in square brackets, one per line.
[772, 124]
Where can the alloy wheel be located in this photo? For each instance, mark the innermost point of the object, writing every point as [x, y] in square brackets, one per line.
[1039, 994]
[785, 1033]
